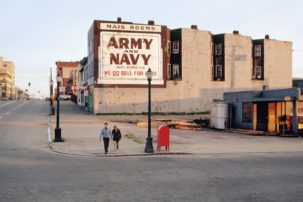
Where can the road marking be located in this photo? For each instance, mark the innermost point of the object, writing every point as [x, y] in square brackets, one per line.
[9, 102]
[0, 117]
[8, 113]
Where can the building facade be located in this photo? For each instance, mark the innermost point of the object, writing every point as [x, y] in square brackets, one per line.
[297, 82]
[68, 72]
[275, 111]
[7, 79]
[85, 95]
[191, 67]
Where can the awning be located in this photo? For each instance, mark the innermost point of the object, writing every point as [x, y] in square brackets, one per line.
[275, 99]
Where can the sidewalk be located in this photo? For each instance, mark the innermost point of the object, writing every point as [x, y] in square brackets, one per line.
[81, 134]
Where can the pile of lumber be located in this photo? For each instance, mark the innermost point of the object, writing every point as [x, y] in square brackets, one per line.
[184, 125]
[177, 124]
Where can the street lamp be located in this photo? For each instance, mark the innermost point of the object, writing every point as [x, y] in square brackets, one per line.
[58, 129]
[51, 98]
[149, 140]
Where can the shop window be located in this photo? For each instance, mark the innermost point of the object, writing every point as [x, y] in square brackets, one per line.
[176, 47]
[247, 111]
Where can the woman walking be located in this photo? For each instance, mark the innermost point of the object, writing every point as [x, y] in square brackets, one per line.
[116, 137]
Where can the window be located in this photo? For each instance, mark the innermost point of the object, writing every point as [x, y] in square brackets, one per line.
[247, 110]
[218, 73]
[169, 75]
[218, 49]
[258, 50]
[257, 72]
[176, 47]
[168, 47]
[176, 71]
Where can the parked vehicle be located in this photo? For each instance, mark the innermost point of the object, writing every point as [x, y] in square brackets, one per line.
[65, 97]
[47, 99]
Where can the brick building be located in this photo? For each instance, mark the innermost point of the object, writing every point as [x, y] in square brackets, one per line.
[191, 66]
[7, 79]
[68, 71]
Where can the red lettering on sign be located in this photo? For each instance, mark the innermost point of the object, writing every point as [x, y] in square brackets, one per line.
[115, 73]
[124, 59]
[136, 43]
[126, 73]
[112, 42]
[145, 59]
[128, 59]
[147, 43]
[134, 59]
[126, 43]
[114, 58]
[107, 73]
[139, 73]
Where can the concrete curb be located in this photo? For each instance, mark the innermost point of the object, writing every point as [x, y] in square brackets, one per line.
[171, 154]
[119, 155]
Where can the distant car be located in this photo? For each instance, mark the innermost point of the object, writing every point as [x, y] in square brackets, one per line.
[47, 99]
[65, 97]
[4, 99]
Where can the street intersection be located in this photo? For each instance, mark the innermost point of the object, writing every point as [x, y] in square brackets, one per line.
[30, 171]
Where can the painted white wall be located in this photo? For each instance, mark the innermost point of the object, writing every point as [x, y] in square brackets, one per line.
[197, 90]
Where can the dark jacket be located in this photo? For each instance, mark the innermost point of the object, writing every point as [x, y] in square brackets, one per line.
[116, 135]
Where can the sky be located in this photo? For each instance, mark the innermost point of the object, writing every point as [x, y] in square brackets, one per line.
[34, 34]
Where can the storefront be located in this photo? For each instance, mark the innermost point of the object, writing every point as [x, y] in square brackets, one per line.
[274, 111]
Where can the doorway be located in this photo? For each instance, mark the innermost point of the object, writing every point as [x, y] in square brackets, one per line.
[272, 117]
[262, 116]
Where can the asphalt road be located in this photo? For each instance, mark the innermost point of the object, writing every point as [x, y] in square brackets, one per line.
[30, 172]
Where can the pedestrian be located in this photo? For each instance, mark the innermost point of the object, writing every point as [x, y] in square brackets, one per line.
[106, 135]
[116, 137]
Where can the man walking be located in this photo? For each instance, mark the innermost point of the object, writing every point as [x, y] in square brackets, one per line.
[106, 134]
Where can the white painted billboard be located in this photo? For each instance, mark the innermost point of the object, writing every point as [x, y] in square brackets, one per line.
[130, 27]
[125, 57]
